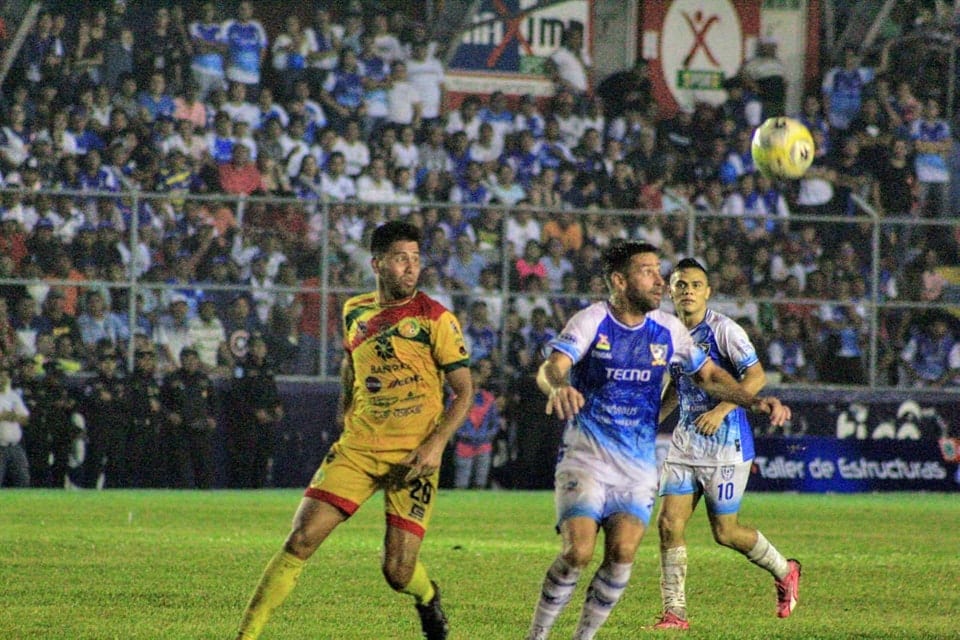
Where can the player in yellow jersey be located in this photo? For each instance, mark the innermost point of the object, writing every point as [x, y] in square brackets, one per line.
[401, 347]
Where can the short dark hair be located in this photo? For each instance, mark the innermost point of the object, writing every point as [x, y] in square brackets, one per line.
[616, 257]
[690, 263]
[390, 232]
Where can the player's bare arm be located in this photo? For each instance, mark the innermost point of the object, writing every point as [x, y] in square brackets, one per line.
[425, 459]
[753, 381]
[718, 383]
[346, 389]
[563, 400]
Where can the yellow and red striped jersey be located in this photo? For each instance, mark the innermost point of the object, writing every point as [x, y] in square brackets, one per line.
[400, 354]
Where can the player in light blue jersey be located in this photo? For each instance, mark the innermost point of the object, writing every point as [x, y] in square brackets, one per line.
[710, 453]
[603, 376]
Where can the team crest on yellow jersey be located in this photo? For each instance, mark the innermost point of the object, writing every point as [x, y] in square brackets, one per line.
[659, 353]
[603, 343]
[409, 328]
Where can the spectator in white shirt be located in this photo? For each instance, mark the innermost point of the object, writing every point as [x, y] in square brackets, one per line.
[355, 151]
[374, 185]
[427, 76]
[404, 103]
[570, 65]
[404, 152]
[466, 118]
[334, 183]
[239, 108]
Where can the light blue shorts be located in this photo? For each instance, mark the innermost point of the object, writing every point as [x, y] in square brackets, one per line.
[722, 486]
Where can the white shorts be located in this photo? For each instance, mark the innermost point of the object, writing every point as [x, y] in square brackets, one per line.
[722, 486]
[580, 493]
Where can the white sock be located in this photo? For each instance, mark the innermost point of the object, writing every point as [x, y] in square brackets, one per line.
[605, 590]
[558, 586]
[673, 580]
[766, 555]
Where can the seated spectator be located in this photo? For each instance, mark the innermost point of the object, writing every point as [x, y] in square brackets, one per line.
[556, 264]
[480, 334]
[155, 101]
[374, 185]
[926, 357]
[785, 354]
[465, 265]
[354, 149]
[335, 184]
[465, 119]
[240, 176]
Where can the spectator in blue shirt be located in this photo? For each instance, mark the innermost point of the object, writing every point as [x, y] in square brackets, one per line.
[246, 46]
[155, 101]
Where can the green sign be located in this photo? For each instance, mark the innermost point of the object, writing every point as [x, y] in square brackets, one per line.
[699, 79]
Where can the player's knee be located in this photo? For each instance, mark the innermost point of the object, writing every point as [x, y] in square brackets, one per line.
[578, 555]
[669, 526]
[724, 533]
[300, 543]
[396, 573]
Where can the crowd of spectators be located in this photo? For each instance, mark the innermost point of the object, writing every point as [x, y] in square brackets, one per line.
[343, 119]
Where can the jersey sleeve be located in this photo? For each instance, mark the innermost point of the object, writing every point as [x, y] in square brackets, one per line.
[734, 343]
[579, 333]
[449, 346]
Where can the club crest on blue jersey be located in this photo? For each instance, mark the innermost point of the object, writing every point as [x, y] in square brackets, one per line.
[659, 353]
[603, 343]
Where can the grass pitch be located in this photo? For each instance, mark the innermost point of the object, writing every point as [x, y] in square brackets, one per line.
[181, 565]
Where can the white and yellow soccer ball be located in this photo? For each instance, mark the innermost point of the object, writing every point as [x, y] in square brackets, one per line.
[782, 148]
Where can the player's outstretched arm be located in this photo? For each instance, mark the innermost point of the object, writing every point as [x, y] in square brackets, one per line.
[563, 400]
[721, 385]
[753, 381]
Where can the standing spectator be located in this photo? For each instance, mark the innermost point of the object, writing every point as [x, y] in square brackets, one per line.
[187, 396]
[172, 332]
[207, 337]
[473, 441]
[480, 334]
[42, 54]
[785, 352]
[342, 91]
[144, 457]
[843, 88]
[98, 323]
[842, 333]
[933, 146]
[404, 100]
[327, 36]
[209, 44]
[14, 466]
[246, 46]
[255, 413]
[426, 74]
[570, 65]
[628, 87]
[164, 48]
[105, 406]
[53, 430]
[291, 50]
[765, 74]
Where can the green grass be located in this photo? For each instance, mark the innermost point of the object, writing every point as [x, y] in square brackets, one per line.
[180, 565]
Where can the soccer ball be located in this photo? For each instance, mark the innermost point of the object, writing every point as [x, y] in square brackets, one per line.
[782, 148]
